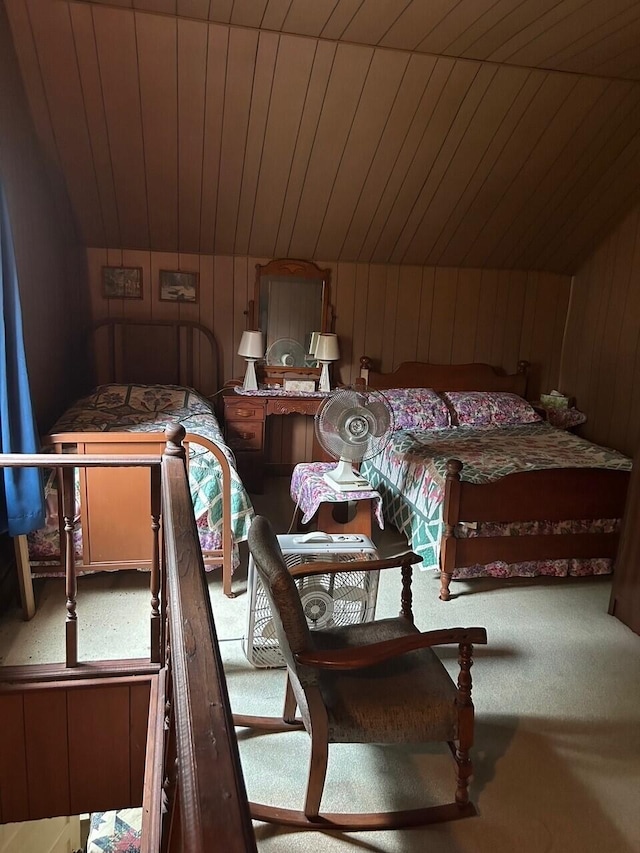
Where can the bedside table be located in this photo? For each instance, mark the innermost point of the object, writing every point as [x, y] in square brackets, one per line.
[312, 494]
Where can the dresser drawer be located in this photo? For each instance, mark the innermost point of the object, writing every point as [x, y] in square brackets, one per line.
[245, 435]
[238, 410]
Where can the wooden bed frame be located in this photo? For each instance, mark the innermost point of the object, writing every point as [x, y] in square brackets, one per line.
[147, 352]
[557, 494]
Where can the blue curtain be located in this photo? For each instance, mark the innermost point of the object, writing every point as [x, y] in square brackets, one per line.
[21, 495]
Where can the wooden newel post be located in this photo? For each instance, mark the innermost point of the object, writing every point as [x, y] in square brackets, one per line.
[175, 434]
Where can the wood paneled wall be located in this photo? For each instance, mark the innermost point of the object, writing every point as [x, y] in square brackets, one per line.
[178, 134]
[601, 359]
[391, 313]
[51, 267]
[72, 747]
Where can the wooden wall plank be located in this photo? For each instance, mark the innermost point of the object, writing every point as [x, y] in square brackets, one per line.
[369, 124]
[258, 116]
[468, 164]
[116, 36]
[223, 302]
[318, 82]
[98, 131]
[27, 52]
[14, 797]
[374, 330]
[286, 106]
[344, 299]
[443, 314]
[359, 326]
[334, 126]
[624, 408]
[387, 345]
[469, 216]
[451, 156]
[514, 321]
[445, 94]
[192, 75]
[138, 720]
[46, 739]
[63, 91]
[216, 79]
[101, 718]
[407, 328]
[464, 327]
[156, 40]
[308, 19]
[237, 102]
[426, 313]
[521, 158]
[404, 113]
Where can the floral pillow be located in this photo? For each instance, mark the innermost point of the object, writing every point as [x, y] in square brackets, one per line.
[417, 408]
[489, 408]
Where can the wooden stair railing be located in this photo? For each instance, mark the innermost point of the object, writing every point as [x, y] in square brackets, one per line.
[194, 793]
[66, 465]
[206, 802]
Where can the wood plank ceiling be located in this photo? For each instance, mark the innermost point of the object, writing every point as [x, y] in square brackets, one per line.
[468, 133]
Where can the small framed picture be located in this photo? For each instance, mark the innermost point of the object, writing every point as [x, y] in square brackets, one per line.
[122, 282]
[176, 286]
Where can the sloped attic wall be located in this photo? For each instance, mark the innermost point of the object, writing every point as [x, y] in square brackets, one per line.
[601, 360]
[49, 266]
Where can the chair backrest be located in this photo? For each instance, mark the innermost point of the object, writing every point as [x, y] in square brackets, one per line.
[286, 608]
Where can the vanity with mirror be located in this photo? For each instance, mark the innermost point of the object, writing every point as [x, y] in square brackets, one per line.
[291, 302]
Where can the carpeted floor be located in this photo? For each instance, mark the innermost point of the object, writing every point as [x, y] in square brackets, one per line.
[557, 695]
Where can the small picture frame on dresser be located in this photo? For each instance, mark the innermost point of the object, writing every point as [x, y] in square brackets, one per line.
[307, 385]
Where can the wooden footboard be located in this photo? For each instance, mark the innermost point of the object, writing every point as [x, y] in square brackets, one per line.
[114, 503]
[556, 494]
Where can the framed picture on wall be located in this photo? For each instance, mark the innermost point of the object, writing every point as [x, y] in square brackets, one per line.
[177, 286]
[122, 282]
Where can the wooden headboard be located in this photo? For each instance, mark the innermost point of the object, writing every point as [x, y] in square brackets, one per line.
[447, 377]
[167, 352]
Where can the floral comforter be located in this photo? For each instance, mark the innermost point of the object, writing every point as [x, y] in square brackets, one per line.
[149, 408]
[410, 476]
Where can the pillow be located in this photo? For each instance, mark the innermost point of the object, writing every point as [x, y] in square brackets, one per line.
[489, 408]
[417, 408]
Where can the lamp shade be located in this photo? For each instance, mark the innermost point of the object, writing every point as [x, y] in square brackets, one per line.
[313, 343]
[327, 348]
[251, 345]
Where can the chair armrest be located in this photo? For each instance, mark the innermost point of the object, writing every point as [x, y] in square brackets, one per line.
[359, 657]
[320, 568]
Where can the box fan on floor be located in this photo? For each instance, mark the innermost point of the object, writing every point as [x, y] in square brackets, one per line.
[327, 600]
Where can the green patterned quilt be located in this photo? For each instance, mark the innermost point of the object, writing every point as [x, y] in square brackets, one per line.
[149, 408]
[410, 473]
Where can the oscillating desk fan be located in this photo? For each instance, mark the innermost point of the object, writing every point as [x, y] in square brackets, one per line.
[285, 352]
[353, 424]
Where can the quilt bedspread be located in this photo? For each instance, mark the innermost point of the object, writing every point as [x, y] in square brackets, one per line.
[150, 408]
[410, 475]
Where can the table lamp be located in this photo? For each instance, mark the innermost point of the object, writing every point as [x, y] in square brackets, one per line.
[327, 350]
[251, 348]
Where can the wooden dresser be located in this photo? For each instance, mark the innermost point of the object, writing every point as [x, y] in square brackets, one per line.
[245, 423]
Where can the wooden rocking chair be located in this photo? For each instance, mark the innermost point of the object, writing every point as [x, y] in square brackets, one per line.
[375, 682]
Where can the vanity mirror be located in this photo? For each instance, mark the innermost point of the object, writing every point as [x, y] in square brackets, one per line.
[291, 302]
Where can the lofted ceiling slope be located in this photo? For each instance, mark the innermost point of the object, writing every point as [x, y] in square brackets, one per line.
[477, 133]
